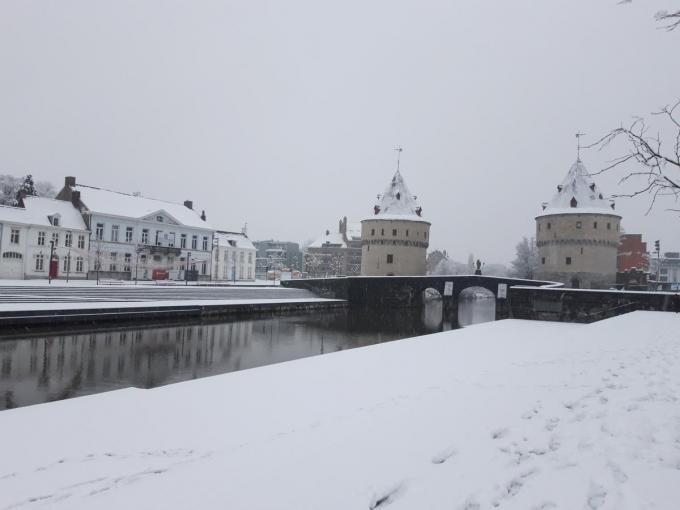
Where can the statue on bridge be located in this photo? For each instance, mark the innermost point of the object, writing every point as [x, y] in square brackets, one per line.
[478, 271]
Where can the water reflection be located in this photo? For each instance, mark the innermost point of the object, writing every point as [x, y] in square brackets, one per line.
[47, 368]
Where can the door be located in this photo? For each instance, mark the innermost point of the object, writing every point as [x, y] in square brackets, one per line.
[54, 268]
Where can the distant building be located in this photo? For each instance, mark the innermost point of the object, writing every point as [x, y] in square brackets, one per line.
[577, 234]
[37, 228]
[395, 239]
[135, 236]
[667, 267]
[233, 257]
[632, 253]
[335, 253]
[276, 256]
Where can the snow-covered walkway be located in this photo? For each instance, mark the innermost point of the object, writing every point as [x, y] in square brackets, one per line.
[511, 414]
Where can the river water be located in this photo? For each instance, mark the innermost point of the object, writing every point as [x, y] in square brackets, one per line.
[54, 367]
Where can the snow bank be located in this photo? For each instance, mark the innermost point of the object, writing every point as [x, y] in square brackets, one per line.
[512, 414]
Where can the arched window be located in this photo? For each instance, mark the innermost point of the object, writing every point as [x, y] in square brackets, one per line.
[573, 202]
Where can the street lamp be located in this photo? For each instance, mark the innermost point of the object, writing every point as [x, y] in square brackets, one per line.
[68, 263]
[186, 271]
[49, 265]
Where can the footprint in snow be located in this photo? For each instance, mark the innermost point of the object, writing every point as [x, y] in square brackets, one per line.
[499, 433]
[444, 455]
[596, 496]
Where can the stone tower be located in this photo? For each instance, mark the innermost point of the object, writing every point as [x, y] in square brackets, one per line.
[577, 234]
[394, 240]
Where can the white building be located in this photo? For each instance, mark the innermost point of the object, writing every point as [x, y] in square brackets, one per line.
[233, 257]
[37, 227]
[135, 236]
[394, 240]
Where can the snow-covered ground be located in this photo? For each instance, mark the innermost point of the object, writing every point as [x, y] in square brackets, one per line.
[61, 282]
[511, 414]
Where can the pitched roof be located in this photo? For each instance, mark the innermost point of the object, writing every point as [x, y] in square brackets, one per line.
[238, 239]
[329, 238]
[115, 203]
[397, 202]
[37, 211]
[578, 194]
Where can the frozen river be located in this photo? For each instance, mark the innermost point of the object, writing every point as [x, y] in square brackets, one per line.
[47, 368]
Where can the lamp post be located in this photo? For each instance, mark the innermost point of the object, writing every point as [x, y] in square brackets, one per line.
[139, 250]
[49, 264]
[186, 271]
[68, 263]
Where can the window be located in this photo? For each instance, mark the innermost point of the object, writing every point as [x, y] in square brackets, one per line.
[394, 231]
[41, 238]
[128, 234]
[382, 231]
[579, 224]
[581, 250]
[81, 242]
[242, 256]
[99, 233]
[568, 261]
[67, 264]
[549, 225]
[55, 221]
[573, 202]
[595, 224]
[609, 226]
[372, 231]
[539, 227]
[183, 241]
[194, 242]
[55, 238]
[39, 262]
[425, 235]
[145, 236]
[204, 268]
[114, 233]
[542, 260]
[14, 236]
[205, 243]
[390, 258]
[171, 239]
[159, 236]
[128, 262]
[68, 239]
[79, 264]
[250, 258]
[159, 219]
[407, 233]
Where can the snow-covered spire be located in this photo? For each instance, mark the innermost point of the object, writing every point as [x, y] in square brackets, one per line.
[578, 193]
[397, 200]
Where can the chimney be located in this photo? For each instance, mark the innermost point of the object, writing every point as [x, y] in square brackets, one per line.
[203, 215]
[75, 199]
[188, 204]
[70, 181]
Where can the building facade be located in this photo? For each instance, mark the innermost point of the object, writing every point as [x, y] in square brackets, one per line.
[233, 257]
[395, 239]
[276, 257]
[335, 253]
[577, 234]
[632, 253]
[665, 271]
[42, 237]
[136, 237]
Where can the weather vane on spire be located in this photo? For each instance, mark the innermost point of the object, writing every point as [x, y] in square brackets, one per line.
[578, 145]
[399, 151]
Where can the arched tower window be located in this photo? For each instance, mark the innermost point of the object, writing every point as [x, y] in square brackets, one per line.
[573, 202]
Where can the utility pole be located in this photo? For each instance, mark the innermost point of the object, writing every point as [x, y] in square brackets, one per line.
[49, 265]
[657, 247]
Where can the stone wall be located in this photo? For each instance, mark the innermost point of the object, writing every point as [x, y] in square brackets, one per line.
[406, 241]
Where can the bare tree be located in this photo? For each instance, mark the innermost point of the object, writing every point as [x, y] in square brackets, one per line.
[526, 259]
[647, 161]
[670, 20]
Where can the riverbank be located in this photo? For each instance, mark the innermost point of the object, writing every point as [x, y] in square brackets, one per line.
[514, 414]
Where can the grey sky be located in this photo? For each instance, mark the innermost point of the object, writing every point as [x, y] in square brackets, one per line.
[284, 114]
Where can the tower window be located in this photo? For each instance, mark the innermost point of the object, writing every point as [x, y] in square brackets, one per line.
[568, 261]
[609, 226]
[581, 250]
[390, 258]
[579, 224]
[394, 231]
[573, 202]
[595, 224]
[407, 233]
[549, 225]
[542, 260]
[382, 231]
[372, 231]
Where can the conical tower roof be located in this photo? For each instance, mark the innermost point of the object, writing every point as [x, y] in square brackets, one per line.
[578, 194]
[397, 202]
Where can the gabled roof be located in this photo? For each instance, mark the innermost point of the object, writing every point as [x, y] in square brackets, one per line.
[329, 238]
[397, 202]
[238, 240]
[578, 194]
[115, 203]
[38, 210]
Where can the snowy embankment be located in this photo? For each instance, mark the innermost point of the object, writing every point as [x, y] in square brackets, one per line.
[511, 414]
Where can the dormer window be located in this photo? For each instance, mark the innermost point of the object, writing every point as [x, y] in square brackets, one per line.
[398, 196]
[573, 202]
[159, 219]
[592, 187]
[559, 187]
[54, 220]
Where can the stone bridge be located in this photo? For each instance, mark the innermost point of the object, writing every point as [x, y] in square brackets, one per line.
[404, 291]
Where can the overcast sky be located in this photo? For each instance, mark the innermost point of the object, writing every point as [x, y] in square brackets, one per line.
[284, 114]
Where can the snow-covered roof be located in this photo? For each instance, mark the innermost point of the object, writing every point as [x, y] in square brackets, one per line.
[397, 202]
[115, 203]
[354, 231]
[38, 210]
[578, 194]
[333, 238]
[234, 240]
